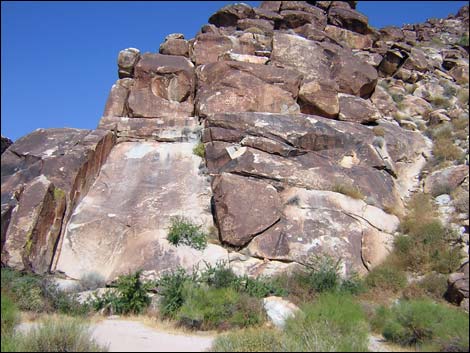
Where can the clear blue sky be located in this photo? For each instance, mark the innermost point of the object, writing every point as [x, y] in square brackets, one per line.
[59, 58]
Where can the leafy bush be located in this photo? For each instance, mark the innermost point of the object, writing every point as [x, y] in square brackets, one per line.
[249, 340]
[418, 322]
[348, 190]
[183, 231]
[130, 296]
[386, 277]
[199, 150]
[333, 323]
[171, 287]
[463, 41]
[58, 335]
[323, 273]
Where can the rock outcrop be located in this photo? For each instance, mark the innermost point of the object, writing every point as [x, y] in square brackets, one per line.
[313, 125]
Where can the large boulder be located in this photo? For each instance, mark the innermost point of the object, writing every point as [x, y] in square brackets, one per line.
[320, 61]
[319, 98]
[356, 109]
[228, 15]
[230, 86]
[349, 19]
[127, 60]
[446, 180]
[44, 175]
[164, 87]
[244, 207]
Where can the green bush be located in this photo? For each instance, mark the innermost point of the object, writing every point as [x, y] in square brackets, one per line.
[170, 287]
[334, 323]
[212, 308]
[9, 316]
[323, 274]
[249, 340]
[33, 293]
[463, 41]
[130, 296]
[58, 335]
[418, 322]
[386, 277]
[199, 150]
[183, 231]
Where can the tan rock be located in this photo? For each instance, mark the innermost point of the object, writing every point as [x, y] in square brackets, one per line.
[319, 98]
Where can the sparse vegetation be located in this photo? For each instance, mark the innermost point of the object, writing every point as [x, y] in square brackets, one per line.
[433, 285]
[183, 232]
[91, 281]
[61, 334]
[348, 190]
[424, 324]
[463, 41]
[199, 150]
[333, 323]
[386, 277]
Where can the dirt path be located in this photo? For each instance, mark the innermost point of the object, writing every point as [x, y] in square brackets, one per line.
[133, 336]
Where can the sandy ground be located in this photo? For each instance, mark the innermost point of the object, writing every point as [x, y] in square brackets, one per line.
[133, 336]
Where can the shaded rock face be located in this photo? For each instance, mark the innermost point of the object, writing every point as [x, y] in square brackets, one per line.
[44, 175]
[5, 143]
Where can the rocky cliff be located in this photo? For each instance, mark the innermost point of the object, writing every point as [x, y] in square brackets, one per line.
[316, 129]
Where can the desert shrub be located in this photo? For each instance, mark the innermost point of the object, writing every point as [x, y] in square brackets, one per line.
[9, 316]
[219, 276]
[463, 41]
[445, 150]
[34, 293]
[397, 97]
[386, 277]
[460, 200]
[170, 287]
[440, 101]
[433, 285]
[460, 123]
[462, 97]
[199, 150]
[249, 340]
[418, 322]
[332, 323]
[323, 273]
[183, 232]
[58, 335]
[92, 281]
[379, 131]
[428, 246]
[348, 190]
[213, 308]
[130, 296]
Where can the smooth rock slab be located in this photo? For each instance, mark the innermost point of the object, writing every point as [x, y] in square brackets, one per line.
[121, 225]
[279, 310]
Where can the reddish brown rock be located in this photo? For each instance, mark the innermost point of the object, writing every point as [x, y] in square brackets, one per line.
[351, 39]
[417, 61]
[34, 227]
[116, 105]
[164, 87]
[446, 179]
[355, 109]
[271, 5]
[236, 86]
[5, 143]
[175, 46]
[348, 19]
[391, 33]
[228, 15]
[262, 24]
[295, 18]
[41, 173]
[322, 61]
[319, 98]
[458, 283]
[244, 207]
[390, 63]
[127, 59]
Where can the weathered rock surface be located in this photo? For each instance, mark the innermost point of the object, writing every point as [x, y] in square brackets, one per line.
[127, 60]
[446, 179]
[44, 175]
[457, 291]
[319, 61]
[121, 225]
[355, 109]
[230, 86]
